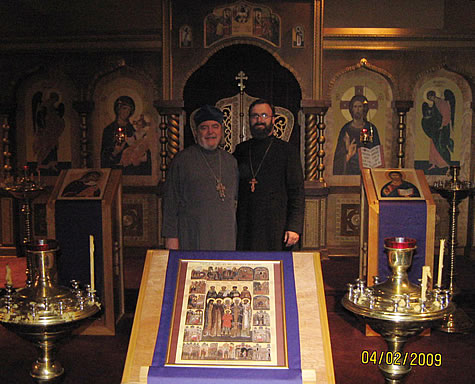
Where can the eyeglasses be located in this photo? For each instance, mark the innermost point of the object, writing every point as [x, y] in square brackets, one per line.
[255, 116]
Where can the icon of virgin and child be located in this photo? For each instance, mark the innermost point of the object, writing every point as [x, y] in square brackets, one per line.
[127, 145]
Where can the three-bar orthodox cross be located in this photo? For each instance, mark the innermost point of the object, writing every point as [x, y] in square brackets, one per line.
[241, 76]
[253, 183]
[221, 190]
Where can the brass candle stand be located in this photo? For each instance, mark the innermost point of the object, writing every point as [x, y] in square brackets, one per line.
[24, 189]
[396, 308]
[454, 191]
[44, 312]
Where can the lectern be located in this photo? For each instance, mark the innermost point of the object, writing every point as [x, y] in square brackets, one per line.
[396, 202]
[84, 203]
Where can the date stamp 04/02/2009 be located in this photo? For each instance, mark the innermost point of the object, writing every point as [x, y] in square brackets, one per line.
[420, 359]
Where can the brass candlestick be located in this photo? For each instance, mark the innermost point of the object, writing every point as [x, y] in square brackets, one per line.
[44, 312]
[25, 189]
[396, 308]
[454, 191]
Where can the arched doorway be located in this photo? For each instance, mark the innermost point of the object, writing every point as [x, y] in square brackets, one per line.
[266, 79]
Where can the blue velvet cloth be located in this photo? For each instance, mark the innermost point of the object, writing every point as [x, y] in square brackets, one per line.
[403, 219]
[159, 373]
[75, 220]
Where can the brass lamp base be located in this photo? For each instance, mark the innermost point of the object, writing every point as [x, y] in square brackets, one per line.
[45, 313]
[46, 369]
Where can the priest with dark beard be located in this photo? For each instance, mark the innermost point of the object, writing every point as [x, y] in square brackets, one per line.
[271, 201]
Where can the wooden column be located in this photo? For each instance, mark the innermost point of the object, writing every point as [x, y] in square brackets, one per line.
[315, 111]
[7, 168]
[402, 107]
[9, 225]
[316, 191]
[171, 138]
[84, 109]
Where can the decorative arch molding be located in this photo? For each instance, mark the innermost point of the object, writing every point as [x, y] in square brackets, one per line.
[444, 70]
[242, 41]
[17, 84]
[452, 70]
[364, 64]
[121, 68]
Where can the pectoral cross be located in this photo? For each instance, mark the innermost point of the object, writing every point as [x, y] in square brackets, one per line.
[221, 190]
[253, 183]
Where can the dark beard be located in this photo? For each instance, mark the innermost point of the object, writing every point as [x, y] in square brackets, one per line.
[261, 133]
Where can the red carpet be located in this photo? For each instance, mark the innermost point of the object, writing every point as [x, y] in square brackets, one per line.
[17, 266]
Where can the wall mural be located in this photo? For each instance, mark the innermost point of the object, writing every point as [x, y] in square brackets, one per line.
[438, 122]
[45, 116]
[125, 143]
[361, 99]
[125, 135]
[242, 19]
[346, 157]
[48, 126]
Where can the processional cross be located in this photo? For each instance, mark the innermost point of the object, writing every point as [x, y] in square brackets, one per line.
[241, 76]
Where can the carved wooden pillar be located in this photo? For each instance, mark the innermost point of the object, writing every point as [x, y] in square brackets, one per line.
[311, 146]
[171, 139]
[8, 225]
[173, 133]
[84, 109]
[6, 153]
[163, 147]
[315, 111]
[316, 191]
[402, 107]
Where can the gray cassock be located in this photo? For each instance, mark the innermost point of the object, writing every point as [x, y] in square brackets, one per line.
[192, 208]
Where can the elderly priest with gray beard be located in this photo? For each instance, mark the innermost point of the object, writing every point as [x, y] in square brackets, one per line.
[200, 193]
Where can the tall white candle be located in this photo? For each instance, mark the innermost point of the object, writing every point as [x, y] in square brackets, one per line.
[425, 277]
[8, 275]
[91, 259]
[441, 263]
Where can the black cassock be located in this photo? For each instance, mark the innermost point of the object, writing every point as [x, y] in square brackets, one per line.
[278, 202]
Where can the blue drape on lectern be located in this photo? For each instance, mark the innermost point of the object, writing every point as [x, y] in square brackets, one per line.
[403, 219]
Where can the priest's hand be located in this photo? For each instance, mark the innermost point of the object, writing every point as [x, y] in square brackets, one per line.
[172, 243]
[291, 238]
